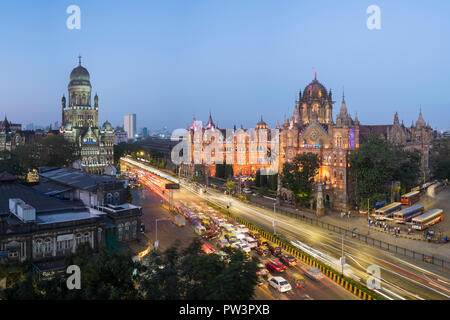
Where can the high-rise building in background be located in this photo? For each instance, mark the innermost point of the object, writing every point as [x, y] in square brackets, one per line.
[144, 133]
[129, 125]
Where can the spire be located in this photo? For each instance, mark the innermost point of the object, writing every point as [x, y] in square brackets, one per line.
[356, 118]
[79, 60]
[396, 118]
[315, 74]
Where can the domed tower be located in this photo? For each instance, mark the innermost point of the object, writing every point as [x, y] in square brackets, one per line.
[316, 99]
[79, 110]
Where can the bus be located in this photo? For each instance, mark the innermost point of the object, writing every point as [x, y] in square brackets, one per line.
[387, 211]
[407, 214]
[410, 198]
[427, 219]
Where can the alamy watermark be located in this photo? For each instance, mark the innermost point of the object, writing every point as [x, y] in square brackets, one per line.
[74, 280]
[74, 20]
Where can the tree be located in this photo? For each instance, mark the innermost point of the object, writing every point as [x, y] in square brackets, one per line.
[49, 151]
[10, 162]
[377, 163]
[440, 158]
[298, 176]
[192, 275]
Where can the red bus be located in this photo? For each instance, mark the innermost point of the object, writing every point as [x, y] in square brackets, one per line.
[427, 219]
[407, 214]
[410, 198]
[207, 248]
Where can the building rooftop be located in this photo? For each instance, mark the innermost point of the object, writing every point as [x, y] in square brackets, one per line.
[75, 178]
[81, 214]
[39, 201]
[50, 188]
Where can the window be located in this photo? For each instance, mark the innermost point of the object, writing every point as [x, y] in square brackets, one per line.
[116, 198]
[59, 245]
[48, 246]
[67, 244]
[86, 237]
[109, 198]
[120, 231]
[78, 239]
[38, 246]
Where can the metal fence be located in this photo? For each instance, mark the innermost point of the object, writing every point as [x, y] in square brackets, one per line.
[432, 259]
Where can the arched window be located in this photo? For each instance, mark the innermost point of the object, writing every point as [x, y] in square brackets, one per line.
[78, 239]
[48, 245]
[120, 231]
[38, 246]
[86, 237]
[109, 198]
[116, 198]
[341, 176]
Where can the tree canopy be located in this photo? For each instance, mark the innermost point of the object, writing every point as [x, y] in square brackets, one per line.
[161, 275]
[298, 176]
[377, 163]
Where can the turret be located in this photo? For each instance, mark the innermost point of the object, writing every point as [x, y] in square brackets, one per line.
[96, 101]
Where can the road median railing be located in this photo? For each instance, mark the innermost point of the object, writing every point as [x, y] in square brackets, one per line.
[358, 289]
[393, 248]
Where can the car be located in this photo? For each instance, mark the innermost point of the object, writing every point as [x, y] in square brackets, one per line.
[252, 243]
[254, 234]
[222, 243]
[263, 251]
[299, 280]
[263, 242]
[313, 273]
[280, 284]
[247, 191]
[288, 260]
[275, 250]
[275, 266]
[242, 228]
[244, 247]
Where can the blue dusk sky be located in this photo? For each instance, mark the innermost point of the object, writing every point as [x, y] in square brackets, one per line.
[167, 60]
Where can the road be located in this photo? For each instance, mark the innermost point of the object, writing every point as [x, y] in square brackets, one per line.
[149, 197]
[399, 278]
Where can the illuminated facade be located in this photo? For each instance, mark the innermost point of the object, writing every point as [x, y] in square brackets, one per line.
[312, 129]
[247, 155]
[80, 123]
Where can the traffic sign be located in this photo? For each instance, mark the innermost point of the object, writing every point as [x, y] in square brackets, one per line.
[172, 186]
[342, 260]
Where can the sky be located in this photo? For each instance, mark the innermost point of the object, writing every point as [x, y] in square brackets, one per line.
[168, 60]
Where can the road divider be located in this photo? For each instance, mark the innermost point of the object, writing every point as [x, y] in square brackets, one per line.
[350, 285]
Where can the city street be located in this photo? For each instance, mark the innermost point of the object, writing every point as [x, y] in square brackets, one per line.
[400, 279]
[313, 289]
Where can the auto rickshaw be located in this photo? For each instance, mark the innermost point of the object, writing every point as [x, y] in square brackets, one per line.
[299, 280]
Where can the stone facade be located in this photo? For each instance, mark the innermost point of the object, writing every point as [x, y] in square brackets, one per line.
[80, 123]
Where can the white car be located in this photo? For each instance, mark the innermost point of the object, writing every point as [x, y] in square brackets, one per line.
[244, 247]
[280, 284]
[242, 228]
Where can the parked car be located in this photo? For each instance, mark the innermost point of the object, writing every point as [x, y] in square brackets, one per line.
[288, 260]
[280, 284]
[275, 266]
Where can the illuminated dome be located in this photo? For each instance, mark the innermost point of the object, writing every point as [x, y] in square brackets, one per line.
[79, 75]
[315, 90]
[261, 124]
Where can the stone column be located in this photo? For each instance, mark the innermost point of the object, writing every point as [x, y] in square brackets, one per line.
[320, 210]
